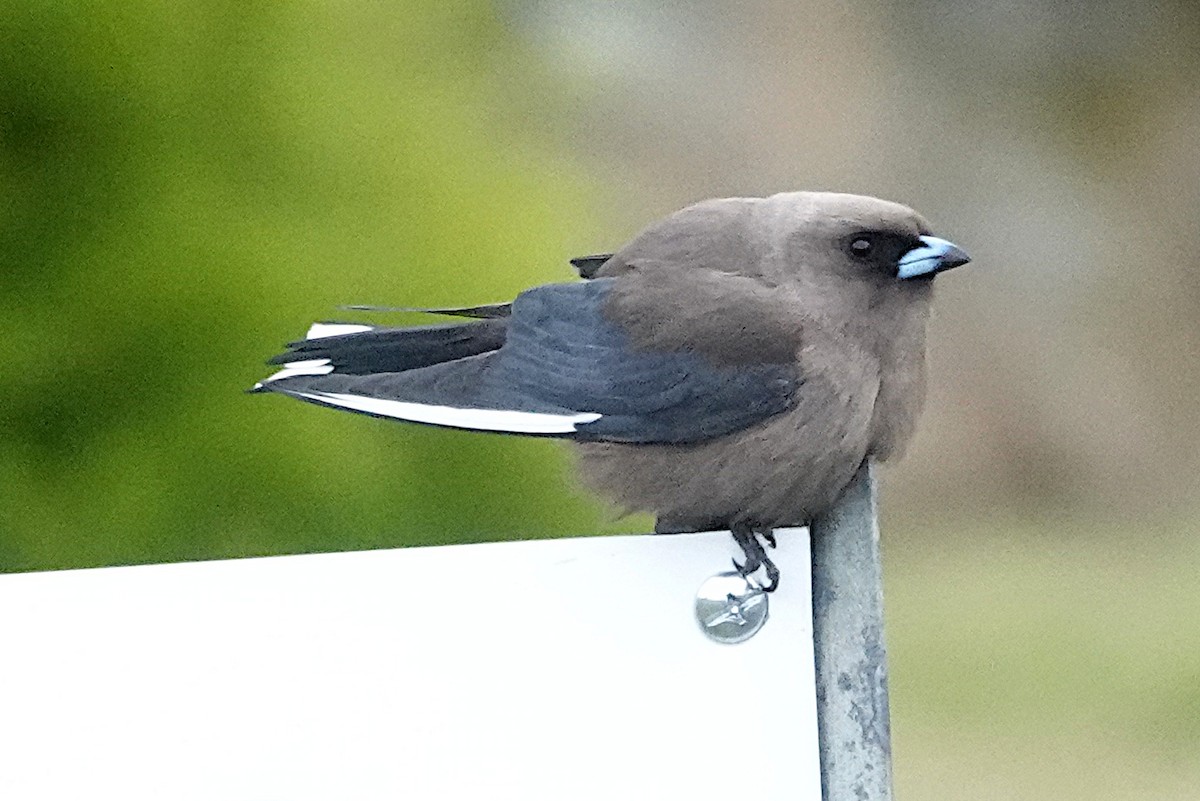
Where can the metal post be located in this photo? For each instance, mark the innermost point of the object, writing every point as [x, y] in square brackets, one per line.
[851, 662]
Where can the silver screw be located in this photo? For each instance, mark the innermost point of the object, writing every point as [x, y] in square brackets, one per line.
[729, 608]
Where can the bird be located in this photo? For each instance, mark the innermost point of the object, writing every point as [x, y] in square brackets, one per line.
[729, 368]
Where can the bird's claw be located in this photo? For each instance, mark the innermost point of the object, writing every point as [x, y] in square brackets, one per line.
[772, 575]
[744, 569]
[756, 555]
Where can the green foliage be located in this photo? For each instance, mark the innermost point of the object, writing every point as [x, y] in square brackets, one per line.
[184, 187]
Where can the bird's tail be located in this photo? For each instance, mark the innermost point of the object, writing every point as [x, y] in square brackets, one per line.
[354, 349]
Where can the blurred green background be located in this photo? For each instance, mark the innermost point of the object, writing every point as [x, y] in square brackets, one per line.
[184, 186]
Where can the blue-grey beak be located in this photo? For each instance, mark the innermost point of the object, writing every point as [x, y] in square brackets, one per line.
[934, 256]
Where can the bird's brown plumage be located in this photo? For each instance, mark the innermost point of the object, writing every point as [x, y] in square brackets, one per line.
[752, 280]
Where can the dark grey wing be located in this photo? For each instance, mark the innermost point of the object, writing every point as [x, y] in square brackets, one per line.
[562, 348]
[487, 311]
[587, 266]
[566, 370]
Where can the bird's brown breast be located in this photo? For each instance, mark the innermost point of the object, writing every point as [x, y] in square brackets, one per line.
[781, 471]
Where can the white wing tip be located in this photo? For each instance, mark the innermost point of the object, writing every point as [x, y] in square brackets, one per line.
[306, 367]
[322, 330]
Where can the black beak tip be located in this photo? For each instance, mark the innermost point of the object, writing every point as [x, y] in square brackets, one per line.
[955, 257]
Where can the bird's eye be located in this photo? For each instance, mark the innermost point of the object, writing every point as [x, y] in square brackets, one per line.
[861, 247]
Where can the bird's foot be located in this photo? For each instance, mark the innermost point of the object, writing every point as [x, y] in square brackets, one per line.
[756, 556]
[751, 548]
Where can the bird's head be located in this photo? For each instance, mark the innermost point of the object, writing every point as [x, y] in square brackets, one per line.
[853, 261]
[823, 235]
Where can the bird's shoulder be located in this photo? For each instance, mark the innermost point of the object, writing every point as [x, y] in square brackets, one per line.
[729, 318]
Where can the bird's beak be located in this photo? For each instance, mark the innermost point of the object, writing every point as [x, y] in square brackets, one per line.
[934, 256]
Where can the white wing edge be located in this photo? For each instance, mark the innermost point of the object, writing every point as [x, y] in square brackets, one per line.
[507, 420]
[306, 367]
[322, 330]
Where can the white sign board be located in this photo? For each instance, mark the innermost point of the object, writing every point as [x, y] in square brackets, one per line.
[558, 669]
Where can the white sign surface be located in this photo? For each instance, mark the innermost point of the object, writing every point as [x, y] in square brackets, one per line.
[557, 669]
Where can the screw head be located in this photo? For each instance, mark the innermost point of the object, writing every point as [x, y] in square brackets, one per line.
[730, 609]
